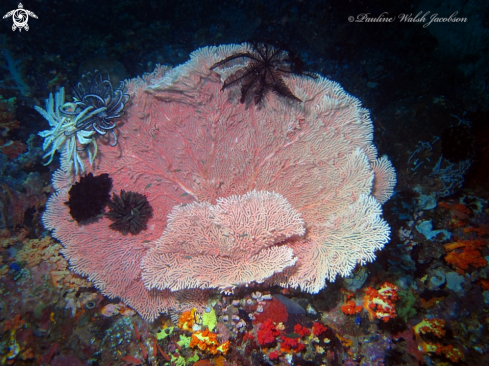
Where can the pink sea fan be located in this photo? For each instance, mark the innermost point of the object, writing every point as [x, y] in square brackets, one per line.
[223, 245]
[384, 179]
[109, 259]
[184, 142]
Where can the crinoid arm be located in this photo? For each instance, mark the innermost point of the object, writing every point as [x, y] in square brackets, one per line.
[263, 72]
[278, 86]
[247, 75]
[234, 56]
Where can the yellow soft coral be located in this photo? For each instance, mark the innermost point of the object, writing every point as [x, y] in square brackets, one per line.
[434, 326]
[209, 319]
[450, 352]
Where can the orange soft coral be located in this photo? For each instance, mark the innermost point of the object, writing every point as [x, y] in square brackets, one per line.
[187, 320]
[454, 354]
[380, 303]
[481, 230]
[350, 308]
[459, 210]
[434, 326]
[450, 352]
[484, 284]
[207, 341]
[468, 255]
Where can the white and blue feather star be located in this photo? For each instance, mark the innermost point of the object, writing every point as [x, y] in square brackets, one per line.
[64, 136]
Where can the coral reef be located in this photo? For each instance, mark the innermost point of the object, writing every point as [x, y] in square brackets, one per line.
[429, 114]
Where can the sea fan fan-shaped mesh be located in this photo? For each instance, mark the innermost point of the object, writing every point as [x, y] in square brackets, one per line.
[184, 141]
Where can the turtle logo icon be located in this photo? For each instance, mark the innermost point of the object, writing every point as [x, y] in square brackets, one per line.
[20, 17]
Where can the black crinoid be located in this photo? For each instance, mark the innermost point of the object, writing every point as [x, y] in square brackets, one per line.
[89, 196]
[264, 72]
[98, 105]
[130, 212]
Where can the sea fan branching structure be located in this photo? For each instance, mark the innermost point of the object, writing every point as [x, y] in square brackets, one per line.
[282, 192]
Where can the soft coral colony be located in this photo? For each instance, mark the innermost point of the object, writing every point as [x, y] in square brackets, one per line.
[285, 192]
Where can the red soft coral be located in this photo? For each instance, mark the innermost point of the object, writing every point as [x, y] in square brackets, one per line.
[291, 345]
[273, 355]
[267, 333]
[302, 331]
[318, 329]
[247, 336]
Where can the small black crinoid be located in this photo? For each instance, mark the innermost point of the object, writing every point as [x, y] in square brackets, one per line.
[265, 71]
[98, 105]
[130, 212]
[89, 196]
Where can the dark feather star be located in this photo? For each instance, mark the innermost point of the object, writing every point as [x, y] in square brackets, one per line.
[129, 212]
[265, 71]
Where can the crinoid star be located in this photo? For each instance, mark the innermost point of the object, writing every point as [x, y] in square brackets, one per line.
[99, 104]
[89, 196]
[130, 212]
[265, 71]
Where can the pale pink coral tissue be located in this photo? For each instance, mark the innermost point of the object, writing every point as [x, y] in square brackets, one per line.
[284, 192]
